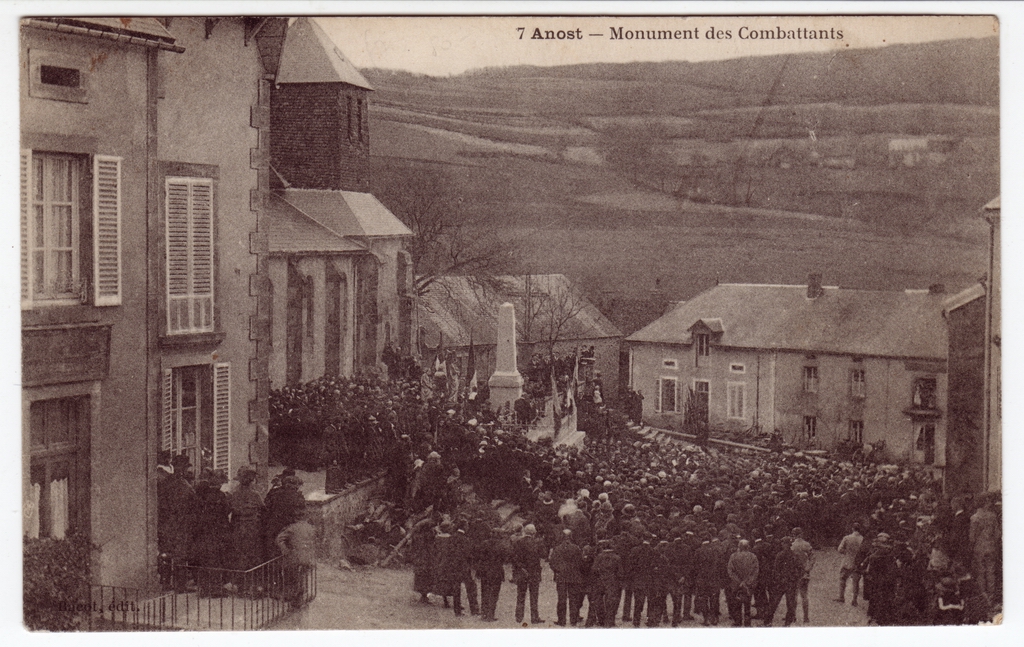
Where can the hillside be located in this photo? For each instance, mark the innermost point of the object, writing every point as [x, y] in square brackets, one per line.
[869, 165]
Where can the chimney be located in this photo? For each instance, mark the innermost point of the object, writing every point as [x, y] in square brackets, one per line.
[937, 288]
[814, 289]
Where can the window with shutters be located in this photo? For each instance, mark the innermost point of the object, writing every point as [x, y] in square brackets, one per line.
[856, 432]
[197, 414]
[55, 203]
[736, 393]
[189, 212]
[58, 496]
[810, 427]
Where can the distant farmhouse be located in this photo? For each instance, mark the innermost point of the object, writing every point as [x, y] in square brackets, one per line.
[920, 151]
[820, 364]
[552, 315]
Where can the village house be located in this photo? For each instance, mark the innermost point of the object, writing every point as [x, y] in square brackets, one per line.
[821, 364]
[974, 445]
[145, 290]
[552, 316]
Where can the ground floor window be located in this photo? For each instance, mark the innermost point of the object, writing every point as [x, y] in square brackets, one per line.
[810, 427]
[856, 433]
[196, 415]
[59, 467]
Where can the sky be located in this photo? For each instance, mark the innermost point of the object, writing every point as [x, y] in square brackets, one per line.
[449, 45]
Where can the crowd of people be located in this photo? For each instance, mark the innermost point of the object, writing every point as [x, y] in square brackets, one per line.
[208, 539]
[635, 531]
[670, 531]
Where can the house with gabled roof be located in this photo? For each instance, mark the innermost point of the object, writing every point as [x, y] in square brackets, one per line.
[821, 364]
[552, 316]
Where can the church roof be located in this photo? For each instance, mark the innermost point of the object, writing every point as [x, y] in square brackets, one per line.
[293, 232]
[310, 56]
[346, 213]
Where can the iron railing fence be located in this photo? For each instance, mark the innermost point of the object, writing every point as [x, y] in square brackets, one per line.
[206, 599]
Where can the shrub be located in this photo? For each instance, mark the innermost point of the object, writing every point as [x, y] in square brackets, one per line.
[56, 583]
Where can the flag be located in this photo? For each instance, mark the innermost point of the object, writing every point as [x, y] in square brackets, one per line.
[556, 406]
[471, 368]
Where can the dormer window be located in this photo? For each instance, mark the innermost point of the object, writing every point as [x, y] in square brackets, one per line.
[702, 342]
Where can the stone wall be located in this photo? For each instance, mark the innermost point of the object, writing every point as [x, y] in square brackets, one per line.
[330, 513]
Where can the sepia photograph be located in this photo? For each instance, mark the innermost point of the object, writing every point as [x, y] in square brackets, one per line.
[472, 322]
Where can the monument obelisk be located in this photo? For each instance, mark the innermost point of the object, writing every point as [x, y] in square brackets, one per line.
[506, 384]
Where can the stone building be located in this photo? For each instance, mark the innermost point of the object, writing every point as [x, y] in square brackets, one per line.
[974, 444]
[821, 364]
[341, 279]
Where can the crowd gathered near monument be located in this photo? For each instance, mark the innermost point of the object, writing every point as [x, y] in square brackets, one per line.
[636, 531]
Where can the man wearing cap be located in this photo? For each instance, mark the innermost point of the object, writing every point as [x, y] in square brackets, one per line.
[282, 507]
[297, 544]
[527, 553]
[742, 569]
[608, 573]
[787, 573]
[490, 570]
[176, 509]
[566, 560]
[805, 554]
[849, 548]
[880, 576]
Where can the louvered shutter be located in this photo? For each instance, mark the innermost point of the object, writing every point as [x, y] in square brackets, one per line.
[222, 416]
[26, 224]
[658, 402]
[675, 389]
[107, 230]
[167, 412]
[176, 216]
[202, 254]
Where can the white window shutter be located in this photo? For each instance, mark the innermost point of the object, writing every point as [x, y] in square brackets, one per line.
[106, 210]
[26, 229]
[167, 413]
[202, 237]
[658, 402]
[222, 416]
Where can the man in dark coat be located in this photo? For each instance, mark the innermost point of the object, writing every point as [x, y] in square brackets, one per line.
[490, 570]
[880, 576]
[176, 510]
[247, 512]
[465, 572]
[527, 553]
[450, 563]
[212, 538]
[788, 572]
[421, 551]
[742, 568]
[607, 571]
[283, 505]
[642, 566]
[707, 573]
[765, 550]
[682, 558]
[566, 560]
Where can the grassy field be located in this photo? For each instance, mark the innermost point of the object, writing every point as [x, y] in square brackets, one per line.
[732, 189]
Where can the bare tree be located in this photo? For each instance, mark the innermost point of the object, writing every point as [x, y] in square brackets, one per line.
[446, 241]
[551, 305]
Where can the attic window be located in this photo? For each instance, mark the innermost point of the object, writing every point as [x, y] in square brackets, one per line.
[67, 77]
[703, 344]
[58, 76]
[737, 368]
[670, 363]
